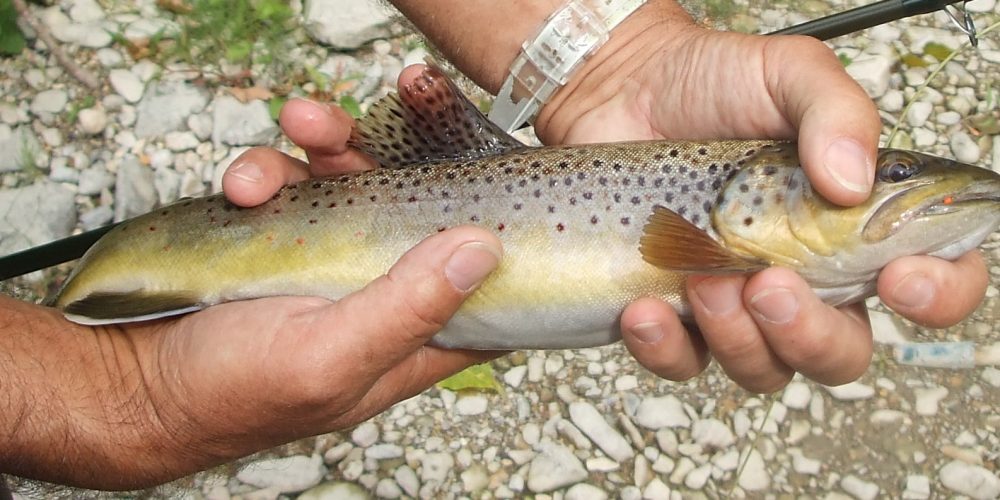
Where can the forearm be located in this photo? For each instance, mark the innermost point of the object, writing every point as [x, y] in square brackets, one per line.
[58, 383]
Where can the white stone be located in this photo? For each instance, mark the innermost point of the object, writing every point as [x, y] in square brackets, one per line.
[334, 490]
[971, 480]
[147, 27]
[285, 475]
[712, 433]
[892, 101]
[964, 147]
[475, 478]
[365, 434]
[110, 58]
[918, 487]
[796, 395]
[165, 107]
[345, 25]
[201, 125]
[384, 451]
[586, 417]
[659, 412]
[626, 383]
[126, 84]
[473, 404]
[923, 137]
[435, 467]
[536, 368]
[49, 101]
[92, 120]
[656, 490]
[919, 112]
[885, 416]
[407, 480]
[803, 464]
[337, 453]
[948, 118]
[872, 72]
[35, 214]
[981, 5]
[927, 400]
[85, 11]
[584, 491]
[239, 124]
[180, 141]
[884, 329]
[698, 477]
[859, 488]
[554, 467]
[991, 376]
[852, 391]
[602, 464]
[515, 375]
[754, 476]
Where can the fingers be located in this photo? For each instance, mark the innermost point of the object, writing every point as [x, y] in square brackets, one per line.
[395, 315]
[258, 173]
[932, 291]
[838, 128]
[656, 338]
[765, 329]
[322, 130]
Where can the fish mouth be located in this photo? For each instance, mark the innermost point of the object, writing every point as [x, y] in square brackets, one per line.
[890, 217]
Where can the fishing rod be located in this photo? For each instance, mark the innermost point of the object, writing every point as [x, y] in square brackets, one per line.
[824, 28]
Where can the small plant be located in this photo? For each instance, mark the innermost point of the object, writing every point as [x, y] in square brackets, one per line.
[11, 38]
[74, 109]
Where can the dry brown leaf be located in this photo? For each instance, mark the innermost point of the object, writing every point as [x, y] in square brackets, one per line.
[175, 6]
[245, 95]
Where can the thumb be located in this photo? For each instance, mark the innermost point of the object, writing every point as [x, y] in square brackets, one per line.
[400, 311]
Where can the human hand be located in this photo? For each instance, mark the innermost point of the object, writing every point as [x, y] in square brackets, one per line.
[667, 78]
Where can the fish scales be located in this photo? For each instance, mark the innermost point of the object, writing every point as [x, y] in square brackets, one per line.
[585, 229]
[569, 218]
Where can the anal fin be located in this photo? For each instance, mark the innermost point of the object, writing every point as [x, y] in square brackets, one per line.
[119, 307]
[671, 242]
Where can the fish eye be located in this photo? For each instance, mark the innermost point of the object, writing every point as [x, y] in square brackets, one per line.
[897, 170]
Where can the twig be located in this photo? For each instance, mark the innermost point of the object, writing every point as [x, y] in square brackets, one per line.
[84, 76]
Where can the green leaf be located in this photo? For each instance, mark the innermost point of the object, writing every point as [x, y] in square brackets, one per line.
[937, 51]
[274, 106]
[350, 104]
[914, 61]
[239, 51]
[844, 60]
[321, 80]
[11, 39]
[475, 377]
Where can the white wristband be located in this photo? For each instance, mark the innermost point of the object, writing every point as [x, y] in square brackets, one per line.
[546, 62]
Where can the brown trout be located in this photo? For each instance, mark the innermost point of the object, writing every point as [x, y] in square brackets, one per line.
[585, 229]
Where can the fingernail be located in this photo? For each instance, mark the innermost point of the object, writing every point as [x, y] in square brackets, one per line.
[718, 295]
[915, 291]
[848, 163]
[247, 171]
[647, 332]
[470, 264]
[775, 305]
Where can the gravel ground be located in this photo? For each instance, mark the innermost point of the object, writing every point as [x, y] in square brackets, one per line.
[583, 424]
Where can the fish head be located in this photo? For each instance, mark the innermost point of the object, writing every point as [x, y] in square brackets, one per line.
[919, 205]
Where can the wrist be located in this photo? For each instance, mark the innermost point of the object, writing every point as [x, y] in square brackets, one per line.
[610, 74]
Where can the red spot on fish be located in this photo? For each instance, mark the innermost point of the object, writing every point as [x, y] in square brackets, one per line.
[312, 221]
[948, 200]
[300, 241]
[269, 237]
[226, 224]
[152, 228]
[166, 248]
[560, 227]
[277, 210]
[500, 227]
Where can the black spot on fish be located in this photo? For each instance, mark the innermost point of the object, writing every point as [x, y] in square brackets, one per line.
[563, 165]
[568, 181]
[700, 186]
[684, 189]
[602, 181]
[748, 221]
[672, 182]
[626, 181]
[517, 206]
[553, 182]
[449, 176]
[552, 209]
[411, 199]
[770, 170]
[617, 167]
[153, 228]
[399, 185]
[695, 219]
[581, 176]
[658, 156]
[707, 207]
[332, 204]
[713, 168]
[522, 183]
[560, 227]
[618, 197]
[625, 221]
[673, 153]
[474, 218]
[693, 175]
[641, 181]
[793, 183]
[658, 182]
[536, 164]
[572, 200]
[416, 183]
[315, 204]
[744, 188]
[588, 195]
[509, 188]
[635, 200]
[593, 219]
[383, 182]
[277, 211]
[757, 200]
[372, 198]
[311, 221]
[316, 185]
[488, 179]
[750, 152]
[682, 169]
[682, 210]
[537, 193]
[425, 170]
[598, 163]
[702, 151]
[716, 184]
[667, 169]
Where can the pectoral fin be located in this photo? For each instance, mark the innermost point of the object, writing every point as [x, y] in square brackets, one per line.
[121, 307]
[671, 242]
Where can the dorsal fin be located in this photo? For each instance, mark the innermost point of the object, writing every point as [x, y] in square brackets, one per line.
[426, 121]
[671, 242]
